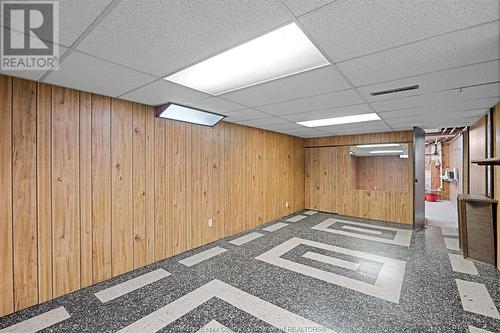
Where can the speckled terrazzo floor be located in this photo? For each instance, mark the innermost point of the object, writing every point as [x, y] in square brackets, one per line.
[427, 301]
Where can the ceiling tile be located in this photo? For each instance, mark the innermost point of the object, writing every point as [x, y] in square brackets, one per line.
[314, 82]
[34, 75]
[161, 92]
[460, 48]
[448, 96]
[366, 127]
[434, 111]
[87, 73]
[453, 78]
[331, 100]
[299, 7]
[304, 132]
[263, 122]
[216, 104]
[161, 37]
[347, 29]
[245, 114]
[329, 113]
[75, 16]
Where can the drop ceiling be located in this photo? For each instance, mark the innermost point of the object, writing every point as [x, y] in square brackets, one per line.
[450, 48]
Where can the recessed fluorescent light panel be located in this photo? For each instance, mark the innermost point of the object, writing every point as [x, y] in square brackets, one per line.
[386, 152]
[379, 145]
[340, 120]
[189, 114]
[279, 53]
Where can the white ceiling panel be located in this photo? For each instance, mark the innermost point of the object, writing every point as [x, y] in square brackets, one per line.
[451, 116]
[87, 73]
[367, 127]
[300, 7]
[329, 113]
[448, 96]
[75, 16]
[216, 104]
[264, 122]
[245, 114]
[161, 92]
[453, 78]
[433, 111]
[304, 133]
[314, 82]
[283, 127]
[331, 100]
[460, 48]
[34, 75]
[161, 37]
[347, 28]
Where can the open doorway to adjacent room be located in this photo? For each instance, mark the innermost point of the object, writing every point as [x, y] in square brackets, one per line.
[444, 160]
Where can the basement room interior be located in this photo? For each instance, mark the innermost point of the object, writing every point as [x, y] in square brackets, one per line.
[215, 166]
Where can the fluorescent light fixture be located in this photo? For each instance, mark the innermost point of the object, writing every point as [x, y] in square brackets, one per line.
[279, 53]
[386, 152]
[403, 156]
[379, 145]
[189, 114]
[340, 120]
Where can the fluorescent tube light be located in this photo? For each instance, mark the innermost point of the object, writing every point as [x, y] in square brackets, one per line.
[340, 120]
[189, 114]
[379, 145]
[403, 156]
[279, 53]
[386, 152]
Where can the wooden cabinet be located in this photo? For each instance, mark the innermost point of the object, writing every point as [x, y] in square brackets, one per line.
[476, 218]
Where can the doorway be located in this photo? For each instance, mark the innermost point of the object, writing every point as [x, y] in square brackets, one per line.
[444, 151]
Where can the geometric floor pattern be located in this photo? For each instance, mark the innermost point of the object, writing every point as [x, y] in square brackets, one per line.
[291, 279]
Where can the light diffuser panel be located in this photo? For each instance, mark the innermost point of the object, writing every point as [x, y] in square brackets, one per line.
[188, 114]
[279, 53]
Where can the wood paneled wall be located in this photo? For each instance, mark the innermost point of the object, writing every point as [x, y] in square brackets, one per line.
[477, 150]
[92, 187]
[496, 172]
[379, 173]
[328, 186]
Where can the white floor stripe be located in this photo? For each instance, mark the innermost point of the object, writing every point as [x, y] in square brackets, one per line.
[39, 322]
[126, 287]
[451, 243]
[365, 230]
[388, 284]
[245, 239]
[274, 227]
[461, 265]
[473, 329]
[296, 218]
[476, 298]
[259, 308]
[447, 231]
[402, 237]
[331, 261]
[310, 212]
[202, 256]
[214, 327]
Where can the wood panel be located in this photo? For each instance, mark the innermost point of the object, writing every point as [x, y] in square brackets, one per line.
[477, 150]
[6, 249]
[24, 207]
[65, 190]
[346, 140]
[93, 187]
[328, 187]
[379, 173]
[496, 174]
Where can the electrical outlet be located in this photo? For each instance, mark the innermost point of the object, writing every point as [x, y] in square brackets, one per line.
[287, 205]
[210, 223]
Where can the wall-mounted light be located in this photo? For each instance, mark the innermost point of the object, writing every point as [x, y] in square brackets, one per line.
[189, 114]
[386, 152]
[379, 145]
[403, 156]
